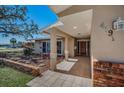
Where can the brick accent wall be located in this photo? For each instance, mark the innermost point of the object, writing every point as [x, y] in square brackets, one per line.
[108, 74]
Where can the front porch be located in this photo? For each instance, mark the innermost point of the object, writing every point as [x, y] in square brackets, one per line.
[80, 68]
[72, 48]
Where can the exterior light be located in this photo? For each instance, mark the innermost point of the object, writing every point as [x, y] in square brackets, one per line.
[74, 27]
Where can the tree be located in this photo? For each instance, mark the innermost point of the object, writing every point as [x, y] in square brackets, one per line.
[13, 42]
[14, 21]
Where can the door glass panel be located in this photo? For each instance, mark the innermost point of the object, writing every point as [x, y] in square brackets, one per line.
[59, 47]
[48, 47]
[78, 48]
[44, 47]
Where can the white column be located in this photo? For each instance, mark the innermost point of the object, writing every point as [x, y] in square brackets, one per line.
[66, 48]
[53, 51]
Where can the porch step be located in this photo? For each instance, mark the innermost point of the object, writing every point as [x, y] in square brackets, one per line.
[65, 65]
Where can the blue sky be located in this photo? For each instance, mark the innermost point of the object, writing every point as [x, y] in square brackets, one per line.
[41, 14]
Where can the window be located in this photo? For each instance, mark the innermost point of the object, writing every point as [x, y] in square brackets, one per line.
[46, 47]
[59, 47]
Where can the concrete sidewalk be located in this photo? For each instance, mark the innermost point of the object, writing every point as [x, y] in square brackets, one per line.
[56, 79]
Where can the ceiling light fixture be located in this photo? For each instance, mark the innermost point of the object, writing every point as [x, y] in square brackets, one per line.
[74, 27]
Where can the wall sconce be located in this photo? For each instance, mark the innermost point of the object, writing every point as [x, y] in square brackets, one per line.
[108, 30]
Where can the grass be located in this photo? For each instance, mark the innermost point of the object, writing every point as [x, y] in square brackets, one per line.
[11, 49]
[13, 78]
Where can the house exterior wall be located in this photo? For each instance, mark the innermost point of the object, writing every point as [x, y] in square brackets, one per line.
[37, 47]
[102, 47]
[70, 43]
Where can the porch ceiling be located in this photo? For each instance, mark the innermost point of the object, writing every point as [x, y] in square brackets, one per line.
[77, 25]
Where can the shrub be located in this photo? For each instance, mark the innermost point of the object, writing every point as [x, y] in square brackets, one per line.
[2, 64]
[28, 51]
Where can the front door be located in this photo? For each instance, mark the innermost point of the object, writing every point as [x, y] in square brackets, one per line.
[82, 48]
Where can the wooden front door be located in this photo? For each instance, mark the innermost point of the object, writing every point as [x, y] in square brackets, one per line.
[82, 48]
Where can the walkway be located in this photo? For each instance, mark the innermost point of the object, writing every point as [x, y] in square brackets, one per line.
[56, 79]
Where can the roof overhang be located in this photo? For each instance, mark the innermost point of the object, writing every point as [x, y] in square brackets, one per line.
[47, 30]
[76, 25]
[59, 8]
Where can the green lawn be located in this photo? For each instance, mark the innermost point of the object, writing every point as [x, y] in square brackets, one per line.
[11, 49]
[13, 78]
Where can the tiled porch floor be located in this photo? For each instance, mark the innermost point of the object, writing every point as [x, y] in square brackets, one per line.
[82, 67]
[56, 79]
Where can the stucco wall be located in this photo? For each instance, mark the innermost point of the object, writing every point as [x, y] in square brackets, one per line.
[38, 44]
[37, 49]
[70, 40]
[102, 47]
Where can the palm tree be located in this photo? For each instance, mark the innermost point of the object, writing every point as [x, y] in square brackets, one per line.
[13, 42]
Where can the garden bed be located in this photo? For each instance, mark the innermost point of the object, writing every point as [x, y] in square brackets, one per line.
[30, 67]
[33, 64]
